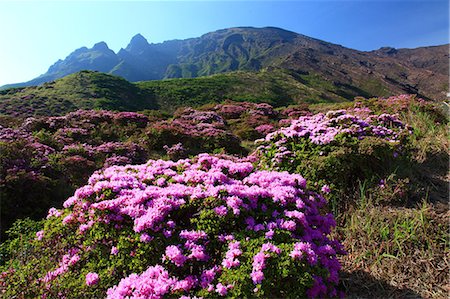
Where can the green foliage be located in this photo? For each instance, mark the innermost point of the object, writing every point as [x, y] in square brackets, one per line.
[94, 90]
[19, 239]
[340, 164]
[82, 90]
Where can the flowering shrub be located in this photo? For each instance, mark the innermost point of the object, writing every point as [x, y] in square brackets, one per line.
[44, 160]
[296, 111]
[198, 131]
[233, 110]
[394, 104]
[27, 180]
[264, 129]
[338, 147]
[176, 151]
[249, 121]
[207, 227]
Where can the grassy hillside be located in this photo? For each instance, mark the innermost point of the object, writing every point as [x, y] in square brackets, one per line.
[83, 90]
[277, 87]
[94, 90]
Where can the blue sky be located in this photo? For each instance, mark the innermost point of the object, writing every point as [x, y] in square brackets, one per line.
[34, 34]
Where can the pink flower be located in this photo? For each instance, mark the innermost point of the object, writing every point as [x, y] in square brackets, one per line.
[53, 213]
[233, 252]
[92, 278]
[174, 254]
[326, 189]
[221, 289]
[39, 235]
[221, 211]
[114, 250]
[146, 238]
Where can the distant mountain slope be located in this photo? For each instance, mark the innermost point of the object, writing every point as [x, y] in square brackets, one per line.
[88, 90]
[386, 71]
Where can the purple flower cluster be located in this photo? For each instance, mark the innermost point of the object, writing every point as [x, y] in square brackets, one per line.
[68, 260]
[198, 131]
[235, 110]
[324, 128]
[265, 129]
[175, 151]
[92, 279]
[94, 117]
[147, 196]
[230, 111]
[259, 261]
[155, 282]
[195, 123]
[33, 154]
[296, 111]
[112, 153]
[400, 102]
[232, 254]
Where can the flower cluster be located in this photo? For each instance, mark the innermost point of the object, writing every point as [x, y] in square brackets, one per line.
[264, 129]
[157, 202]
[175, 151]
[324, 128]
[92, 279]
[233, 110]
[44, 159]
[68, 260]
[259, 262]
[195, 123]
[232, 254]
[316, 135]
[249, 121]
[399, 102]
[198, 131]
[86, 119]
[155, 282]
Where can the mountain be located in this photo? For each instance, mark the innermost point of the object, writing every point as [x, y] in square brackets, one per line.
[423, 71]
[98, 58]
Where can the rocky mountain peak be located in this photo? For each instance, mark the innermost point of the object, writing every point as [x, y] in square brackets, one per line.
[137, 44]
[101, 46]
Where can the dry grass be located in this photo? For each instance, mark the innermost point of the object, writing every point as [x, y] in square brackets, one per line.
[395, 252]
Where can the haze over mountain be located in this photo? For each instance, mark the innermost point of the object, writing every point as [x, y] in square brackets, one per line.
[423, 71]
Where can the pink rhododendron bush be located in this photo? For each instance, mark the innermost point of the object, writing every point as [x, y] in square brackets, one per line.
[207, 227]
[340, 148]
[197, 131]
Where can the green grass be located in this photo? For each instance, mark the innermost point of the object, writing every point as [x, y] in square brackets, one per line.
[83, 90]
[94, 90]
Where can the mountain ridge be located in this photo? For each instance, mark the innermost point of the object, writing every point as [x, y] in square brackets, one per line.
[422, 70]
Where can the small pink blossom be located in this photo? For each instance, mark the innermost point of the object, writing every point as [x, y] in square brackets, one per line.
[39, 235]
[92, 278]
[326, 189]
[114, 250]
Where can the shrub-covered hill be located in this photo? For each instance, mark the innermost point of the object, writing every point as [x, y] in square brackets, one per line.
[216, 225]
[93, 90]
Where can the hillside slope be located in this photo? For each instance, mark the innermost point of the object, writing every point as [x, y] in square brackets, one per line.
[94, 90]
